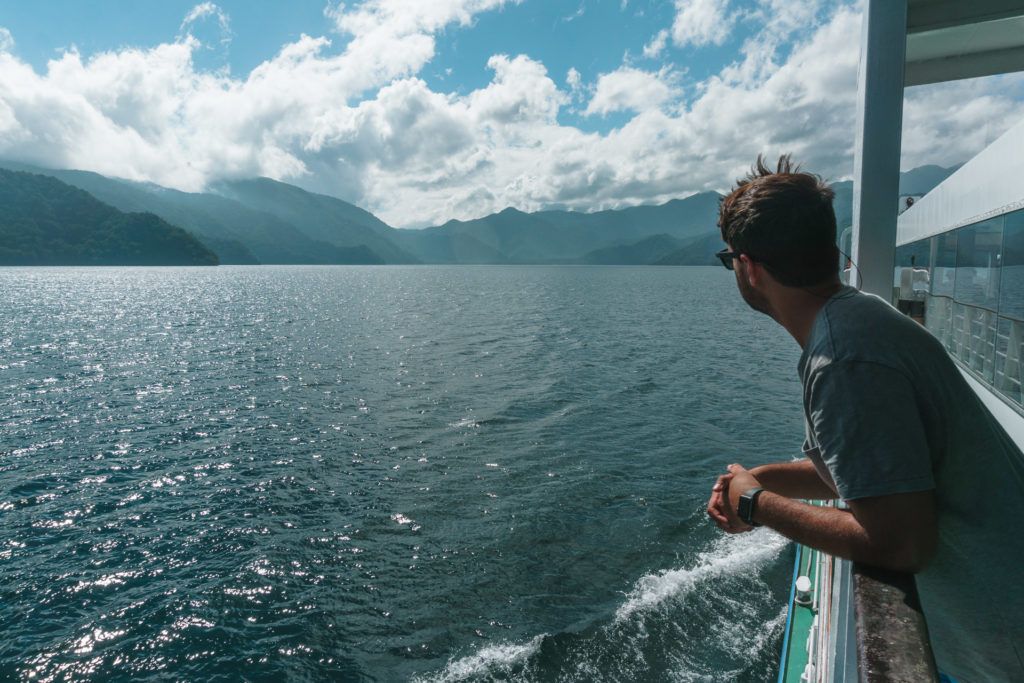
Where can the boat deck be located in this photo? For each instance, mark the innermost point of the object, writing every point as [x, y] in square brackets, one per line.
[799, 622]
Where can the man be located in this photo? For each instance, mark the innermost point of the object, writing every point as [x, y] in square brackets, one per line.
[933, 484]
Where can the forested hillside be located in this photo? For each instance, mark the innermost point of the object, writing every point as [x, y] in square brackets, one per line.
[47, 222]
[266, 221]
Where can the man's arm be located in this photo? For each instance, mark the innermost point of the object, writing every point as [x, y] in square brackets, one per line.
[893, 532]
[871, 436]
[897, 531]
[794, 479]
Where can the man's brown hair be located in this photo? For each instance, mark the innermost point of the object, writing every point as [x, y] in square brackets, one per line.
[783, 219]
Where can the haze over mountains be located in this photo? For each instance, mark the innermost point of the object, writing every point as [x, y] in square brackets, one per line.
[265, 221]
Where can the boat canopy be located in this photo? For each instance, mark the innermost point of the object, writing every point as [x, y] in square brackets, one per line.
[906, 43]
[952, 39]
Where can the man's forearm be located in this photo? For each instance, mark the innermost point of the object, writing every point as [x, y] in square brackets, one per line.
[836, 532]
[794, 479]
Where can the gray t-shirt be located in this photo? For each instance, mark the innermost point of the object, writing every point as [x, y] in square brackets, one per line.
[887, 412]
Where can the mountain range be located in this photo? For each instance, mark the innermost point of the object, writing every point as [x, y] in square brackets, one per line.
[266, 221]
[47, 222]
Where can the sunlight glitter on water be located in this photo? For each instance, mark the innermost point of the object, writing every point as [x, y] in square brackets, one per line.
[395, 473]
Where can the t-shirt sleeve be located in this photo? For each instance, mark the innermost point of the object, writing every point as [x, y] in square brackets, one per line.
[869, 431]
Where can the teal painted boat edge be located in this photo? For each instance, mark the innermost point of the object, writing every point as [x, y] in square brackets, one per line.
[784, 658]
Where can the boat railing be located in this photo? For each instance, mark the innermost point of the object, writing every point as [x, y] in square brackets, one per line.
[891, 632]
[851, 622]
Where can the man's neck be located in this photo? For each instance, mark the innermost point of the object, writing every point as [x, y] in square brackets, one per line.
[797, 308]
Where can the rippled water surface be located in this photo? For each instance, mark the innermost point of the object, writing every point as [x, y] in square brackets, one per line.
[393, 473]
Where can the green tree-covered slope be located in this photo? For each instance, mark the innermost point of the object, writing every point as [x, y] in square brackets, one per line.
[47, 222]
[324, 219]
[238, 233]
[266, 221]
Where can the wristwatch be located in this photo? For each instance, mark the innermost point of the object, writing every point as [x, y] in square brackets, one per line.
[747, 506]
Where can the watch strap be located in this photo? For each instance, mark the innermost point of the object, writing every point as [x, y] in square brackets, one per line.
[748, 505]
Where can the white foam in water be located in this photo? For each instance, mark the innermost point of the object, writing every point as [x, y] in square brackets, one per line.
[730, 555]
[746, 644]
[738, 555]
[491, 659]
[762, 637]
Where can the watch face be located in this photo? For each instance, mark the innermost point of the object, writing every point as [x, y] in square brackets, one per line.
[744, 508]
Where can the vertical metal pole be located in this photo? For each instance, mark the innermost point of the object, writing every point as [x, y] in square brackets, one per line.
[876, 170]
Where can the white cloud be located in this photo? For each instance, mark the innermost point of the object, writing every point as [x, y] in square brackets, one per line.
[6, 40]
[631, 89]
[775, 22]
[203, 11]
[950, 122]
[395, 38]
[404, 17]
[580, 11]
[356, 121]
[701, 22]
[657, 44]
[782, 17]
[574, 80]
[521, 92]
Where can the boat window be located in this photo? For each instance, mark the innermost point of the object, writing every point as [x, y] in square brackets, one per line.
[1011, 290]
[911, 278]
[943, 261]
[939, 305]
[917, 254]
[975, 299]
[976, 296]
[1009, 349]
[1010, 333]
[977, 264]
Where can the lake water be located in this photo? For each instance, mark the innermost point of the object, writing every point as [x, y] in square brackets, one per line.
[386, 473]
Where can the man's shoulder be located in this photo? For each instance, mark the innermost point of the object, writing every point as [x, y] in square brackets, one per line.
[853, 308]
[862, 328]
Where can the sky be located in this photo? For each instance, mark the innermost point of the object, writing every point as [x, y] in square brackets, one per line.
[426, 110]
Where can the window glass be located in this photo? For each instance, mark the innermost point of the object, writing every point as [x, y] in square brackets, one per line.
[943, 260]
[1009, 367]
[975, 306]
[917, 254]
[911, 277]
[1011, 290]
[977, 264]
[938, 319]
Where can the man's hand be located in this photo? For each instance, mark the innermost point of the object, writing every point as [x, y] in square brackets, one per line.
[716, 506]
[742, 481]
[725, 496]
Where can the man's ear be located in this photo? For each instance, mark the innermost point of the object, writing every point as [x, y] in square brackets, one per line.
[753, 270]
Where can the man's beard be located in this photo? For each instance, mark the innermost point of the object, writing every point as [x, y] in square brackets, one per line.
[754, 299]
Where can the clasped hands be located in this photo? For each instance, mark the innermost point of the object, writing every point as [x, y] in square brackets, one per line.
[725, 498]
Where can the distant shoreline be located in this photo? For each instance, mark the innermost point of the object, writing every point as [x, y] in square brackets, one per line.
[363, 265]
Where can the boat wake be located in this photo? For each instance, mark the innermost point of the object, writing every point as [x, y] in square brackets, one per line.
[501, 661]
[729, 556]
[715, 619]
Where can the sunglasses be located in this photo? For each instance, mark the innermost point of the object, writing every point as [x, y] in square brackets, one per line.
[726, 257]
